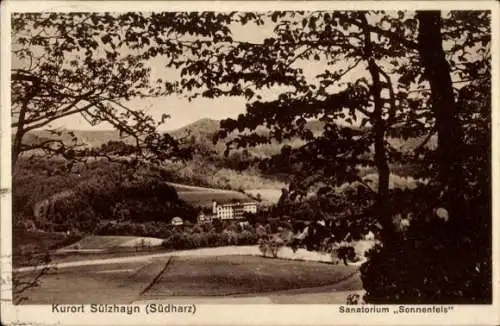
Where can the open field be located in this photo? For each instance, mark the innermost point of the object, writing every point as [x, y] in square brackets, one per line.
[187, 188]
[236, 275]
[203, 196]
[268, 195]
[168, 277]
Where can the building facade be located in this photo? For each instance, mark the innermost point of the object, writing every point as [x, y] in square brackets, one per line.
[232, 211]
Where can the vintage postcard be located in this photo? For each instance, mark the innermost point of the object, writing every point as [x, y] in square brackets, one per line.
[249, 163]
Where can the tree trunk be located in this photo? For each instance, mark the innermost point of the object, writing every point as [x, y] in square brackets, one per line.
[382, 200]
[437, 71]
[18, 137]
[20, 132]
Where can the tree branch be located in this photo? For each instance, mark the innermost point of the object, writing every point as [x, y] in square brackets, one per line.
[392, 103]
[386, 33]
[298, 56]
[425, 141]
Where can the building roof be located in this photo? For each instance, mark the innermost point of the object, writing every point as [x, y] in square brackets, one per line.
[236, 203]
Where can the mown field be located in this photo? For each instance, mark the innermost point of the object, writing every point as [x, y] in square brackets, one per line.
[203, 198]
[237, 275]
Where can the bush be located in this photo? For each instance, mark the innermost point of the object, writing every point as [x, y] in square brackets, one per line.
[233, 226]
[247, 238]
[287, 236]
[263, 246]
[429, 270]
[354, 299]
[196, 229]
[346, 253]
[275, 246]
[212, 238]
[196, 240]
[218, 225]
[270, 246]
[182, 241]
[286, 225]
[260, 231]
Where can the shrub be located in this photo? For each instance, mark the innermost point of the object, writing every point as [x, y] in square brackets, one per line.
[286, 225]
[346, 253]
[275, 246]
[206, 227]
[196, 240]
[354, 299]
[287, 236]
[270, 245]
[212, 238]
[249, 227]
[196, 229]
[182, 241]
[167, 243]
[246, 238]
[260, 231]
[204, 240]
[263, 246]
[230, 237]
[217, 225]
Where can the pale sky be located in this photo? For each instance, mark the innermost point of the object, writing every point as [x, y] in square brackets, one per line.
[182, 111]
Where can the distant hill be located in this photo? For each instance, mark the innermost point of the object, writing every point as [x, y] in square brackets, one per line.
[204, 127]
[88, 138]
[201, 131]
[95, 138]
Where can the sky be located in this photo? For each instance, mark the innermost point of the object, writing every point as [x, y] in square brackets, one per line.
[182, 111]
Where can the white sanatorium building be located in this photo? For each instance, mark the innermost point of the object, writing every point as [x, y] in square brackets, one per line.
[231, 211]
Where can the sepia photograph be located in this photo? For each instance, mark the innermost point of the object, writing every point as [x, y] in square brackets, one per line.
[190, 157]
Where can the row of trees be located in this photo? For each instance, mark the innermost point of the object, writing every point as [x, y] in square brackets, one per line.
[404, 74]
